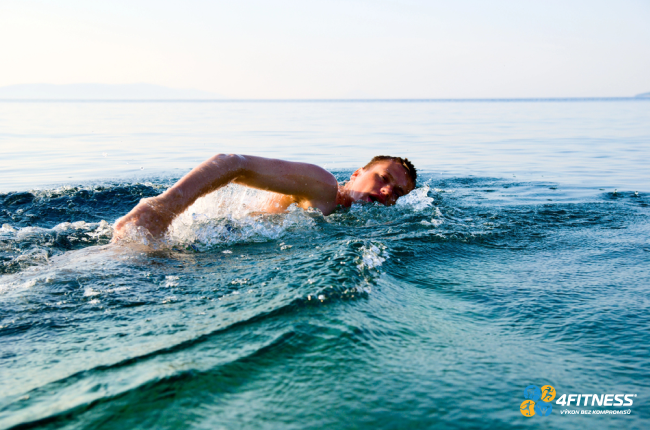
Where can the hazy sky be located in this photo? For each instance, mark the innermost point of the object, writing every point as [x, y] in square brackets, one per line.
[334, 49]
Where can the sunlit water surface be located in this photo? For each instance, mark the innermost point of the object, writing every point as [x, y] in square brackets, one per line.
[522, 258]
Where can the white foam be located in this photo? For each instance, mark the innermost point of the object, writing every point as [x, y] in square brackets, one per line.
[6, 286]
[234, 214]
[7, 228]
[89, 292]
[93, 229]
[171, 281]
[437, 221]
[417, 200]
[372, 256]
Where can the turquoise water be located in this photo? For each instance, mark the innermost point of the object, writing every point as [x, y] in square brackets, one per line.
[522, 258]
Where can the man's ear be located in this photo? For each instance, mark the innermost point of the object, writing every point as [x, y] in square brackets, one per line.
[356, 173]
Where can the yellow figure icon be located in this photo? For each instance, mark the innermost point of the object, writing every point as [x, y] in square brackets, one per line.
[548, 393]
[527, 408]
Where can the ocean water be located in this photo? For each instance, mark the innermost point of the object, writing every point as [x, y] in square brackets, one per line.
[523, 257]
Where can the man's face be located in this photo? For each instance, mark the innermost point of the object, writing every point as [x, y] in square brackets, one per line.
[383, 182]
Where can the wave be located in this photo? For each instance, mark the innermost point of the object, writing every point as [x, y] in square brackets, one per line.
[234, 291]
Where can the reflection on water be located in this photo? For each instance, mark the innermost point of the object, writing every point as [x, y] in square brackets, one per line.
[596, 144]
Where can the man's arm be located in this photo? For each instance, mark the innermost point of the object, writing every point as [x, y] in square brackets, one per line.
[309, 185]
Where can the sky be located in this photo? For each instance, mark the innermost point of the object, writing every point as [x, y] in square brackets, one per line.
[334, 49]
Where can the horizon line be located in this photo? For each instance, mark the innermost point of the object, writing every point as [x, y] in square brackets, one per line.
[337, 100]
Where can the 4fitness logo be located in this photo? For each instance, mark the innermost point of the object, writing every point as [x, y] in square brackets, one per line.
[538, 402]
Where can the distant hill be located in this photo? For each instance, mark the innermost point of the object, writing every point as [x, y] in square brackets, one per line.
[643, 95]
[101, 92]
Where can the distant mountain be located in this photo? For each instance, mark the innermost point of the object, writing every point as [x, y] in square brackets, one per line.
[100, 92]
[643, 95]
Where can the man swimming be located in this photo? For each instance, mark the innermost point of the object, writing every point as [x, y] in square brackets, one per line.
[384, 179]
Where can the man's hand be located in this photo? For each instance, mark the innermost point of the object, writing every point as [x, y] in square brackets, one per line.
[149, 214]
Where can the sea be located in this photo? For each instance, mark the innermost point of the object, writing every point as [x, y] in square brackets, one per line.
[521, 261]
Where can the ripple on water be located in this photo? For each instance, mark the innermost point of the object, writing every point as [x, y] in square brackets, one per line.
[448, 286]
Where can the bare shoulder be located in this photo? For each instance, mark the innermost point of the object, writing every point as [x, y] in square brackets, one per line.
[307, 184]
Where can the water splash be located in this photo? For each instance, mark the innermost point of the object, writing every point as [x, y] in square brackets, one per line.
[417, 200]
[28, 246]
[234, 214]
[372, 256]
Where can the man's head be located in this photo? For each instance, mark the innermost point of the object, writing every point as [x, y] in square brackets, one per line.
[384, 179]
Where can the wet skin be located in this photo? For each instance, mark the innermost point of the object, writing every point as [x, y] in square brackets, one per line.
[383, 182]
[306, 185]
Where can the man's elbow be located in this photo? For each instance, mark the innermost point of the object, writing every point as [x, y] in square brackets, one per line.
[233, 164]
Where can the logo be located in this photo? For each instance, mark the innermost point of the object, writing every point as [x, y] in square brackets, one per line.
[543, 409]
[527, 408]
[532, 392]
[548, 393]
[537, 401]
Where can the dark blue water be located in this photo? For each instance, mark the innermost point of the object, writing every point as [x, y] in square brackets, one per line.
[435, 313]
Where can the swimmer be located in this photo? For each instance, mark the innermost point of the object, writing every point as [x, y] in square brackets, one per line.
[384, 179]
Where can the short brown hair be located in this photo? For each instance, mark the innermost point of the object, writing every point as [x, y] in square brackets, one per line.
[408, 166]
